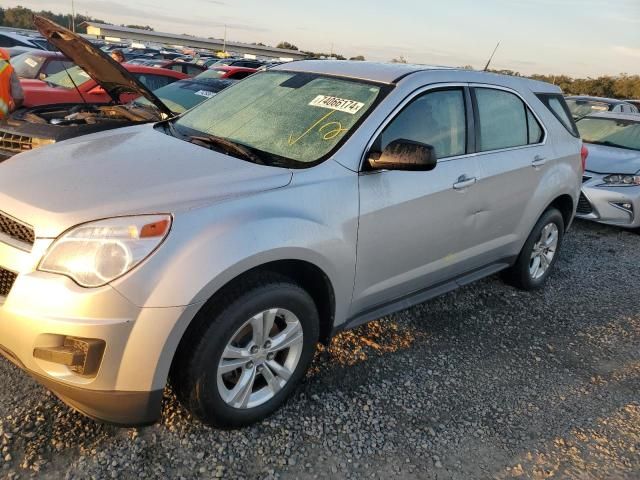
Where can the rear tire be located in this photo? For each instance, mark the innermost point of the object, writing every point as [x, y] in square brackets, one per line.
[539, 253]
[232, 372]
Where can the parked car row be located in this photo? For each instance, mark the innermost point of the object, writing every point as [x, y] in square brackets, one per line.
[212, 244]
[582, 105]
[90, 92]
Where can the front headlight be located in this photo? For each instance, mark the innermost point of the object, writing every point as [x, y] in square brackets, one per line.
[620, 180]
[96, 253]
[41, 142]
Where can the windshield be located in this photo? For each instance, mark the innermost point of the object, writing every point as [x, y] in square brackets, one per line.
[610, 131]
[296, 117]
[61, 79]
[185, 94]
[581, 108]
[27, 65]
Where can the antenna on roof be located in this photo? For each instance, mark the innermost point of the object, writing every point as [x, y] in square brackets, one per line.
[486, 67]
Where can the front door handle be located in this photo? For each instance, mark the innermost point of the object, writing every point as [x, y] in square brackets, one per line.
[464, 182]
[538, 161]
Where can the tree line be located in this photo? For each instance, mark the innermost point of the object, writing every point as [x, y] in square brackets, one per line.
[21, 17]
[612, 86]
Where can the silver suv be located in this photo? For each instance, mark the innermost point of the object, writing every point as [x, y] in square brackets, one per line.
[216, 249]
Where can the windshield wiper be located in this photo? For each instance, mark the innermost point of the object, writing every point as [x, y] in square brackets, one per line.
[228, 146]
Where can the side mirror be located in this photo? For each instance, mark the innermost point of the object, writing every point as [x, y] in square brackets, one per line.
[404, 155]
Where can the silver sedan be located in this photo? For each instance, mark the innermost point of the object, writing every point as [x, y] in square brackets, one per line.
[611, 183]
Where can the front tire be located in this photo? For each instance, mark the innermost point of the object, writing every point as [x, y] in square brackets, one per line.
[539, 253]
[253, 348]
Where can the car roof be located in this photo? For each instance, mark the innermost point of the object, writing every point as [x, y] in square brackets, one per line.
[394, 72]
[616, 116]
[231, 68]
[46, 53]
[595, 99]
[154, 71]
[372, 71]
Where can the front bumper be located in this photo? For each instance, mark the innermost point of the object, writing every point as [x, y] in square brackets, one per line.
[618, 206]
[42, 309]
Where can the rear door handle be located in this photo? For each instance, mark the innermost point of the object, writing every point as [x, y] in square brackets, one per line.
[538, 161]
[464, 182]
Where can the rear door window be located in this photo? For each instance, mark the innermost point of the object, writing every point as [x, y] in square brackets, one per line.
[504, 121]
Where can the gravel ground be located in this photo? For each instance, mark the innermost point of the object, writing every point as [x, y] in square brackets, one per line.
[485, 382]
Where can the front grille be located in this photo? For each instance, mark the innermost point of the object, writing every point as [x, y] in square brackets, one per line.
[16, 230]
[7, 279]
[15, 143]
[584, 207]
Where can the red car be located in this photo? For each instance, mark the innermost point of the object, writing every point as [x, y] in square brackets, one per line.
[61, 87]
[38, 64]
[235, 73]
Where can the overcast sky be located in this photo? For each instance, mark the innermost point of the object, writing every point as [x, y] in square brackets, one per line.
[576, 37]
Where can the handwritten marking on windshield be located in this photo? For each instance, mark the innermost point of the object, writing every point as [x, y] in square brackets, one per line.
[330, 129]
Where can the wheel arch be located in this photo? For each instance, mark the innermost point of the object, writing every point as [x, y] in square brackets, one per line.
[564, 203]
[302, 272]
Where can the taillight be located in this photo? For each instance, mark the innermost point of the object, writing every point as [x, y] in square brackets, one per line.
[584, 153]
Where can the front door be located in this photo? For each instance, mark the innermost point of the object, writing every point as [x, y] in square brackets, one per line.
[416, 228]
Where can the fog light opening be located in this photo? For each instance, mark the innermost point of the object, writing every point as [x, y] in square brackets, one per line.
[626, 206]
[82, 355]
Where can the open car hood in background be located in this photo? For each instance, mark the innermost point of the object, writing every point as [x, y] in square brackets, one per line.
[108, 73]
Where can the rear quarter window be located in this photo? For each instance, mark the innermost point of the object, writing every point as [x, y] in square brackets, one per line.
[556, 104]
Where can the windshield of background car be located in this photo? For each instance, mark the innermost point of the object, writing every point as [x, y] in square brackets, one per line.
[66, 78]
[581, 108]
[609, 131]
[185, 94]
[27, 65]
[294, 116]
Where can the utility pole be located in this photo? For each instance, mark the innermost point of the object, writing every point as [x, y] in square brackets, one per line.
[224, 42]
[73, 16]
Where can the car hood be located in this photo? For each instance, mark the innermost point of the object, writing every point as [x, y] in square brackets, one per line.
[604, 159]
[101, 67]
[132, 170]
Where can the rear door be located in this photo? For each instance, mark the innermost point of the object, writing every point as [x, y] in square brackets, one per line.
[512, 155]
[416, 228]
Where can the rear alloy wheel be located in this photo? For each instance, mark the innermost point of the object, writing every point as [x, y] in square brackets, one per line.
[539, 253]
[544, 251]
[249, 349]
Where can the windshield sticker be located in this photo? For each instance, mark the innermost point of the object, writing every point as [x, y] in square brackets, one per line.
[328, 130]
[31, 62]
[205, 93]
[339, 104]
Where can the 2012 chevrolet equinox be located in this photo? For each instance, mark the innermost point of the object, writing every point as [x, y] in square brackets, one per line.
[216, 249]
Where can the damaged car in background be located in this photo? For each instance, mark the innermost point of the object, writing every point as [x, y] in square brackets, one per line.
[30, 128]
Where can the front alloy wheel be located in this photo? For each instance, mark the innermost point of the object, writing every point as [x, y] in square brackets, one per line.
[260, 358]
[248, 348]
